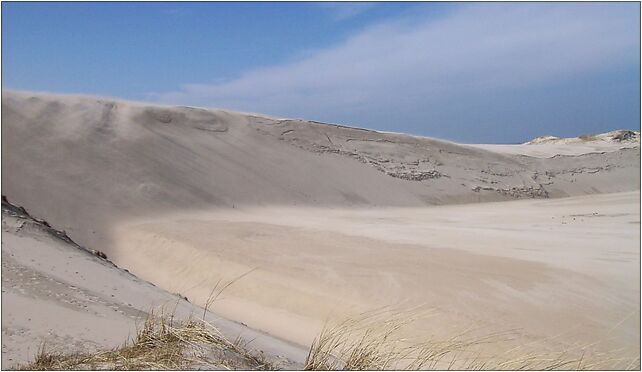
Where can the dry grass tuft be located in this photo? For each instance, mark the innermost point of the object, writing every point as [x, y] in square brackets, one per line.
[161, 344]
[371, 341]
[219, 288]
[363, 343]
[366, 343]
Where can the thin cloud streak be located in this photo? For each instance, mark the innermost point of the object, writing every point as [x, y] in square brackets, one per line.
[342, 11]
[418, 67]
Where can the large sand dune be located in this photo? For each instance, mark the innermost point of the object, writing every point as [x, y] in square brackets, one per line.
[86, 164]
[336, 220]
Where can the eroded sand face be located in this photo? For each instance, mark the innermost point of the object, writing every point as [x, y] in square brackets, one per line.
[567, 268]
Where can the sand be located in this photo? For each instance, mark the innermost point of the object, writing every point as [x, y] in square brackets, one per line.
[70, 300]
[542, 239]
[548, 146]
[546, 150]
[567, 266]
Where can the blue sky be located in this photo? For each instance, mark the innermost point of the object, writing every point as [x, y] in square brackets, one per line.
[470, 72]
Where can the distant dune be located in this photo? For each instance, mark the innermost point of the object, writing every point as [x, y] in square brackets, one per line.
[547, 146]
[332, 220]
[617, 136]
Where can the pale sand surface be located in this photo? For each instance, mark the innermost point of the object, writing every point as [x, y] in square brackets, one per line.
[548, 146]
[566, 267]
[70, 300]
[333, 220]
[546, 150]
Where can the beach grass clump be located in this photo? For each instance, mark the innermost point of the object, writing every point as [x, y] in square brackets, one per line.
[368, 344]
[370, 341]
[162, 343]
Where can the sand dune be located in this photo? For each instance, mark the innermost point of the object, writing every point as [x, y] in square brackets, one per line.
[548, 146]
[57, 294]
[335, 220]
[105, 161]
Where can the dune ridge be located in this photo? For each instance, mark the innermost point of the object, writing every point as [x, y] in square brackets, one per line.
[333, 220]
[127, 159]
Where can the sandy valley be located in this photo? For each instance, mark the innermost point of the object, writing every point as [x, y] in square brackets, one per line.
[321, 222]
[566, 266]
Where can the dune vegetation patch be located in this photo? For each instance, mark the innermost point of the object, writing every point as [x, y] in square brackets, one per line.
[163, 343]
[371, 341]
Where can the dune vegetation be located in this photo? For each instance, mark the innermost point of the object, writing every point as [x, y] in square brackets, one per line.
[369, 342]
[162, 343]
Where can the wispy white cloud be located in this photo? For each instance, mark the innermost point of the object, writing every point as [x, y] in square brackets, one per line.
[345, 10]
[419, 65]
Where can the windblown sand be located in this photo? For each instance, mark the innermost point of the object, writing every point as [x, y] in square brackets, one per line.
[540, 241]
[566, 268]
[60, 297]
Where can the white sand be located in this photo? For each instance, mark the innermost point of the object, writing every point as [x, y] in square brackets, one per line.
[567, 266]
[70, 300]
[336, 220]
[546, 150]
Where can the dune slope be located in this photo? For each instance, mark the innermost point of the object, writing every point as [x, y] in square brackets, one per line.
[84, 163]
[60, 295]
[333, 220]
